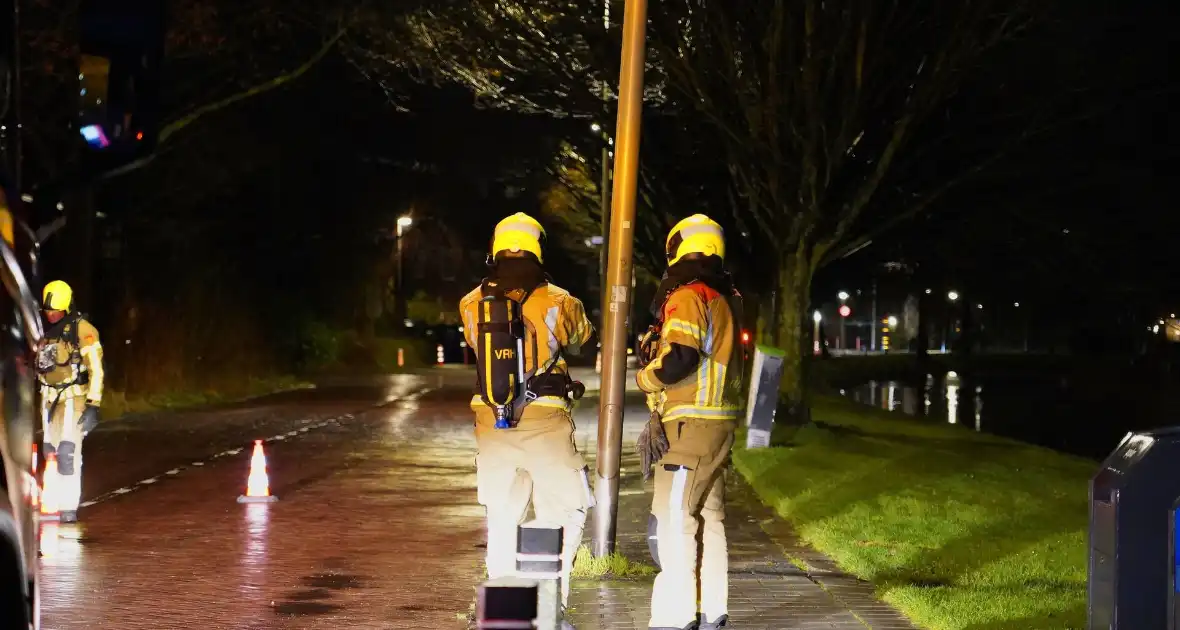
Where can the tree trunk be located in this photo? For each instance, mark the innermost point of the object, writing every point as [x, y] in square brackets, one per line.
[794, 289]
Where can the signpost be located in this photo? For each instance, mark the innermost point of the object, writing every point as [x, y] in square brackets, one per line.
[765, 377]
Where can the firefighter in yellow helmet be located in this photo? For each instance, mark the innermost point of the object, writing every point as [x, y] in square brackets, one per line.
[522, 326]
[695, 377]
[69, 369]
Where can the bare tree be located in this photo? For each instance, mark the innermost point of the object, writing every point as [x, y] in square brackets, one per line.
[824, 114]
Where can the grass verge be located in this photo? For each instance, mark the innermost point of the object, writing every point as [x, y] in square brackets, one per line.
[958, 530]
[116, 404]
[612, 567]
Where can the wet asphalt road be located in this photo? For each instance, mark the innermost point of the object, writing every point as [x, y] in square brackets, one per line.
[376, 525]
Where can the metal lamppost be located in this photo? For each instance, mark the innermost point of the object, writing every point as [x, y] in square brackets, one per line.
[399, 297]
[843, 295]
[952, 296]
[817, 317]
[619, 271]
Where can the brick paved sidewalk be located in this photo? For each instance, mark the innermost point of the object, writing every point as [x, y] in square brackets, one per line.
[767, 591]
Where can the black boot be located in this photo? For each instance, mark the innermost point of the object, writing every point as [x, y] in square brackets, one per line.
[722, 622]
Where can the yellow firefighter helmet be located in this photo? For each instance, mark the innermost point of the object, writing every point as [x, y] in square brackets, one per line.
[518, 233]
[697, 234]
[57, 296]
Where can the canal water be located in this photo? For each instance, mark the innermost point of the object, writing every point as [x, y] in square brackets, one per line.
[1057, 412]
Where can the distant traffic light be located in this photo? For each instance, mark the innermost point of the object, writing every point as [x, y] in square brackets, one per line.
[845, 311]
[121, 44]
[745, 337]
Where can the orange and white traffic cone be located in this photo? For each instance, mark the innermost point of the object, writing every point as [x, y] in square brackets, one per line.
[49, 490]
[258, 483]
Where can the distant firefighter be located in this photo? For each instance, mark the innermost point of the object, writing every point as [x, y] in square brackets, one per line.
[69, 369]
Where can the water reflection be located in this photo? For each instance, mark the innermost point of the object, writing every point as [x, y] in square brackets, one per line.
[1085, 411]
[254, 555]
[950, 398]
[61, 558]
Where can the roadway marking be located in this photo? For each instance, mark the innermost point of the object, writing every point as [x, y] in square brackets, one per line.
[278, 438]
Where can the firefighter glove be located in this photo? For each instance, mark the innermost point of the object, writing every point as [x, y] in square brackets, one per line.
[649, 346]
[89, 419]
[652, 445]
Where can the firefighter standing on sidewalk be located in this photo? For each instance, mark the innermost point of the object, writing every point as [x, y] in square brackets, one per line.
[696, 378]
[522, 326]
[69, 369]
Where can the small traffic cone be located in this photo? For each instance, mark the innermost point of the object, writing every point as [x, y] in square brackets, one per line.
[49, 491]
[258, 483]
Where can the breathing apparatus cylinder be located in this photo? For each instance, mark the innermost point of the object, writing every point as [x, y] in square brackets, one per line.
[500, 352]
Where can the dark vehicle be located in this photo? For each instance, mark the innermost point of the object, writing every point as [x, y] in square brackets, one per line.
[20, 332]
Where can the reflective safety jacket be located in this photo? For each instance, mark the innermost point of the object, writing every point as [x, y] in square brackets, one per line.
[698, 371]
[560, 322]
[70, 361]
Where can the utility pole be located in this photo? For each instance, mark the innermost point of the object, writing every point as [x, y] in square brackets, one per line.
[604, 188]
[604, 250]
[873, 318]
[622, 239]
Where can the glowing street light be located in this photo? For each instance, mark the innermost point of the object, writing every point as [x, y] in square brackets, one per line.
[843, 295]
[816, 317]
[404, 222]
[399, 302]
[596, 127]
[892, 321]
[952, 295]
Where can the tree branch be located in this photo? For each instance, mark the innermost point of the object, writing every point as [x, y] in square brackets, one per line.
[181, 123]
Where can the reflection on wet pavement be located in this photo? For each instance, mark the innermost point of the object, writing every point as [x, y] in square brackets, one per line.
[376, 526]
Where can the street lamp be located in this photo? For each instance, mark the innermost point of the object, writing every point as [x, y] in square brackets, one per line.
[843, 295]
[817, 317]
[399, 297]
[892, 321]
[952, 295]
[595, 127]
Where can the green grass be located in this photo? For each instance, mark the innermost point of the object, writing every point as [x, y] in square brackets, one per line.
[959, 530]
[116, 404]
[612, 567]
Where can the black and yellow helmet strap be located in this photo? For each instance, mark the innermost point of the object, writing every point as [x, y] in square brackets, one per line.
[49, 300]
[673, 245]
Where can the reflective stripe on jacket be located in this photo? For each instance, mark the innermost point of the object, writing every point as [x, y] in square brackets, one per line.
[698, 322]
